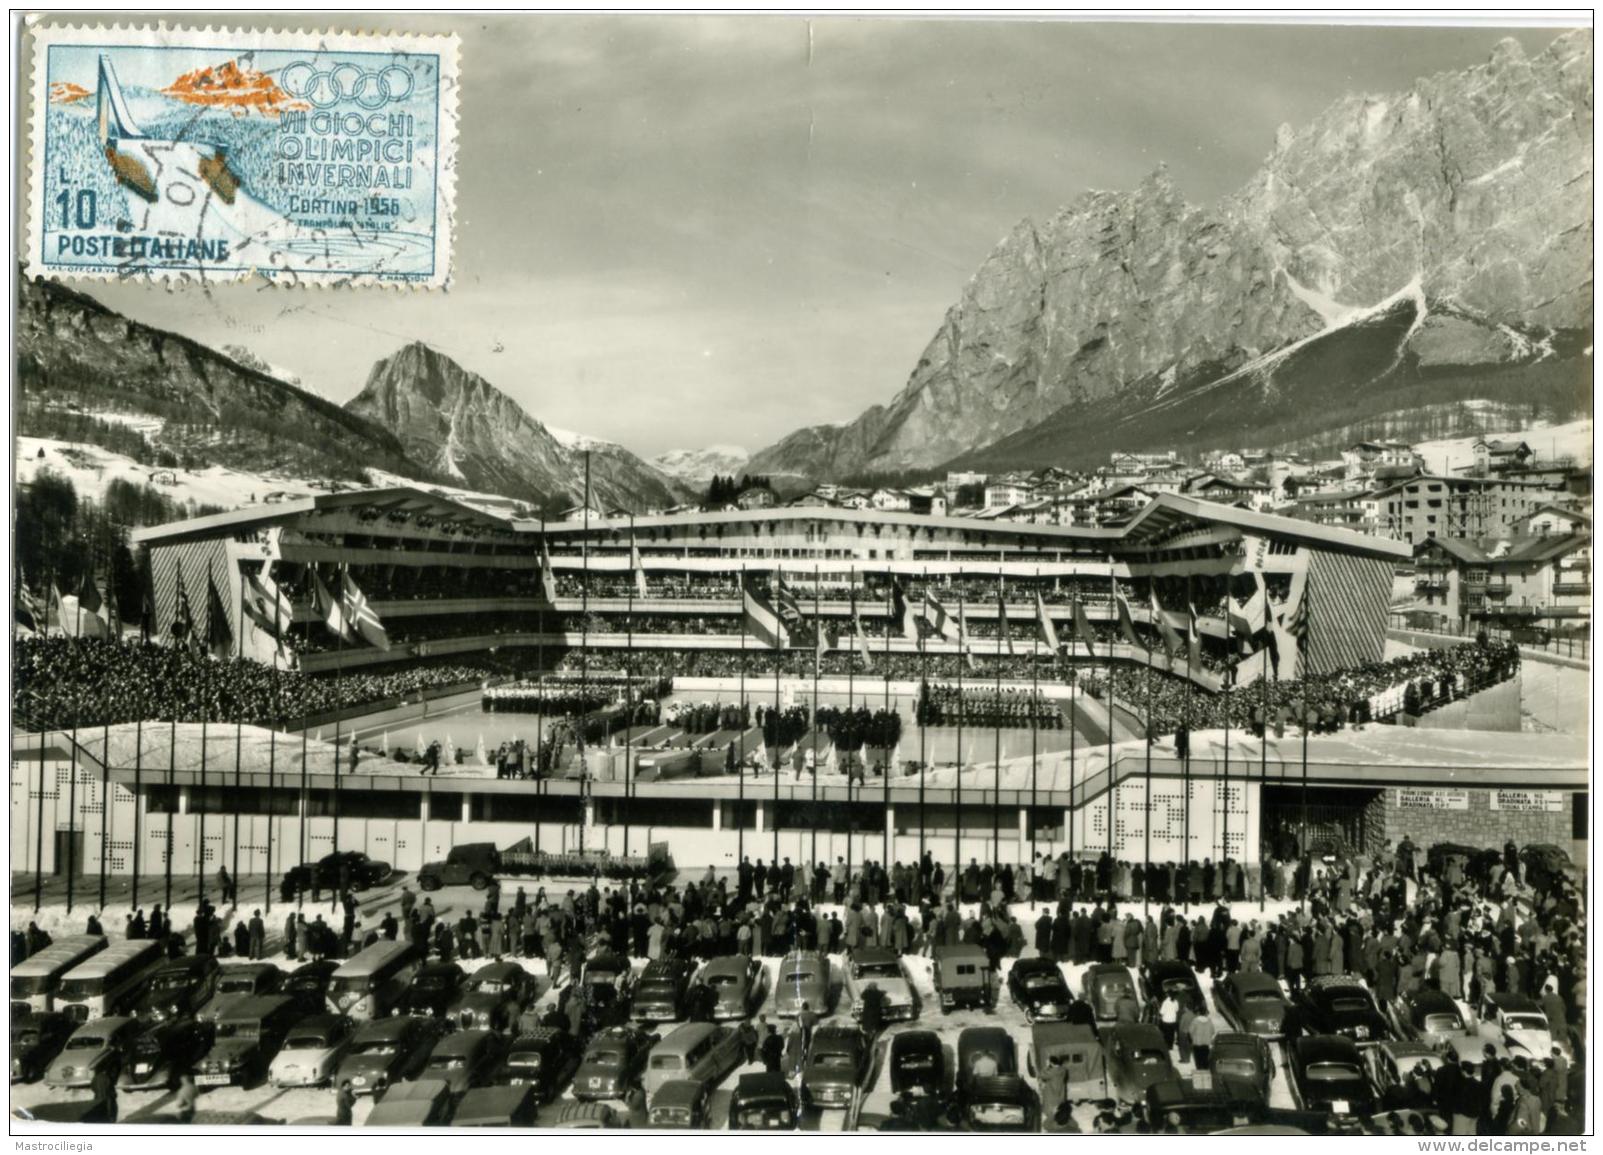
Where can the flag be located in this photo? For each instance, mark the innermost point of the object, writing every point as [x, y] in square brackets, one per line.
[1126, 622]
[27, 612]
[361, 615]
[1297, 623]
[147, 610]
[183, 627]
[548, 579]
[91, 620]
[1254, 609]
[1171, 640]
[939, 620]
[1193, 639]
[1005, 632]
[902, 613]
[862, 641]
[219, 633]
[1049, 632]
[789, 609]
[640, 570]
[1082, 628]
[962, 638]
[53, 606]
[326, 607]
[761, 619]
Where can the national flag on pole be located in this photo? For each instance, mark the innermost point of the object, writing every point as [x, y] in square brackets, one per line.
[183, 626]
[789, 609]
[1082, 628]
[1127, 622]
[327, 607]
[639, 568]
[940, 621]
[53, 606]
[1297, 623]
[902, 613]
[219, 633]
[92, 618]
[1172, 643]
[1005, 631]
[1049, 632]
[762, 620]
[1193, 639]
[360, 614]
[27, 612]
[962, 637]
[548, 578]
[862, 640]
[1244, 618]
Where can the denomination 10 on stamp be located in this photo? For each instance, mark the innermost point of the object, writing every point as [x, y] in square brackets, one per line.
[310, 158]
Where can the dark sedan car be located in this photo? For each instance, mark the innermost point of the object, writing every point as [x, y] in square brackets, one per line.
[36, 1039]
[983, 1052]
[836, 1065]
[1137, 1057]
[493, 997]
[1038, 988]
[1253, 1002]
[1104, 985]
[307, 984]
[386, 1051]
[544, 1059]
[1329, 1075]
[763, 1102]
[326, 873]
[1340, 1005]
[164, 1052]
[917, 1063]
[659, 996]
[434, 988]
[1000, 1103]
[1243, 1057]
[177, 989]
[467, 1059]
[612, 1063]
[1171, 977]
[1428, 1015]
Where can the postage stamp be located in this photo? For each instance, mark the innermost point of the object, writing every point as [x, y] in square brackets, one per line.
[306, 157]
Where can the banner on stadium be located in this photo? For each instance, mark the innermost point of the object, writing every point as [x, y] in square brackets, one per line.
[1412, 799]
[1529, 801]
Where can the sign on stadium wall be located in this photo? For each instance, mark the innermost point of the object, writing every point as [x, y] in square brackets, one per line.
[1410, 799]
[1529, 801]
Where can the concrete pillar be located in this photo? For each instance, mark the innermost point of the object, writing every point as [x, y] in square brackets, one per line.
[717, 814]
[183, 799]
[890, 825]
[423, 807]
[758, 821]
[467, 808]
[589, 811]
[1024, 833]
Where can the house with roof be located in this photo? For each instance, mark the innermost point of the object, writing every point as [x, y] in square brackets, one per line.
[756, 497]
[1549, 519]
[1500, 455]
[1008, 490]
[1507, 580]
[1362, 458]
[1431, 505]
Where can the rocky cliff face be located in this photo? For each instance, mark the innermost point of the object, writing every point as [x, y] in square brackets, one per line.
[1466, 201]
[460, 425]
[74, 353]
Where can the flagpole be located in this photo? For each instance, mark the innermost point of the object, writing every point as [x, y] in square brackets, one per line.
[957, 863]
[205, 719]
[818, 641]
[139, 805]
[740, 764]
[628, 692]
[1073, 676]
[172, 760]
[996, 722]
[72, 780]
[239, 740]
[1035, 695]
[339, 673]
[1263, 763]
[1303, 899]
[923, 755]
[39, 825]
[1185, 765]
[779, 662]
[272, 750]
[885, 818]
[105, 804]
[584, 648]
[548, 572]
[1146, 873]
[1113, 798]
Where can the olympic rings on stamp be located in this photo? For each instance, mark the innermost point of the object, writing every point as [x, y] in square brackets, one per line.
[324, 88]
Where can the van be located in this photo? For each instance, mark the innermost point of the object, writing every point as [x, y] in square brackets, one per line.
[962, 976]
[699, 1051]
[107, 982]
[371, 982]
[34, 980]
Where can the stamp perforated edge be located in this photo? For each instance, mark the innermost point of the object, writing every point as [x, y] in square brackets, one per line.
[39, 35]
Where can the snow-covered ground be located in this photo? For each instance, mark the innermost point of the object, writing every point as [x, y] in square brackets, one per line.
[1554, 698]
[1547, 441]
[91, 469]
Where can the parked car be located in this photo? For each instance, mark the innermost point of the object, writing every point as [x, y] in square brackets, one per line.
[1520, 1024]
[608, 979]
[1339, 1005]
[885, 970]
[423, 1103]
[1252, 1001]
[1037, 987]
[680, 1104]
[1545, 864]
[1329, 1075]
[498, 1106]
[739, 984]
[1102, 985]
[308, 983]
[1472, 1049]
[1244, 1057]
[613, 1061]
[581, 1117]
[836, 1064]
[981, 1053]
[177, 989]
[1137, 1057]
[467, 1058]
[386, 1051]
[1171, 977]
[1203, 1107]
[433, 989]
[99, 1041]
[544, 1059]
[917, 1064]
[165, 1051]
[764, 1102]
[472, 864]
[804, 977]
[492, 998]
[1394, 1062]
[1428, 1015]
[250, 1032]
[962, 976]
[324, 874]
[37, 1038]
[1000, 1103]
[248, 980]
[659, 995]
[1076, 1049]
[312, 1050]
[701, 1051]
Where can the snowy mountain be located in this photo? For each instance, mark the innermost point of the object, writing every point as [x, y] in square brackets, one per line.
[696, 467]
[1419, 248]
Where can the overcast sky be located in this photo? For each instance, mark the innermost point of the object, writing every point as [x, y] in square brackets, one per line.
[690, 230]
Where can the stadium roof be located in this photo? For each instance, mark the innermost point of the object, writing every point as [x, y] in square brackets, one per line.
[1166, 513]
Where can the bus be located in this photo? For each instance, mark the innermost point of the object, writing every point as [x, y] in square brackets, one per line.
[34, 980]
[372, 981]
[107, 983]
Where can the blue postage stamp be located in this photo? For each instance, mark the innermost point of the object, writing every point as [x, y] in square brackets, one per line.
[212, 155]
